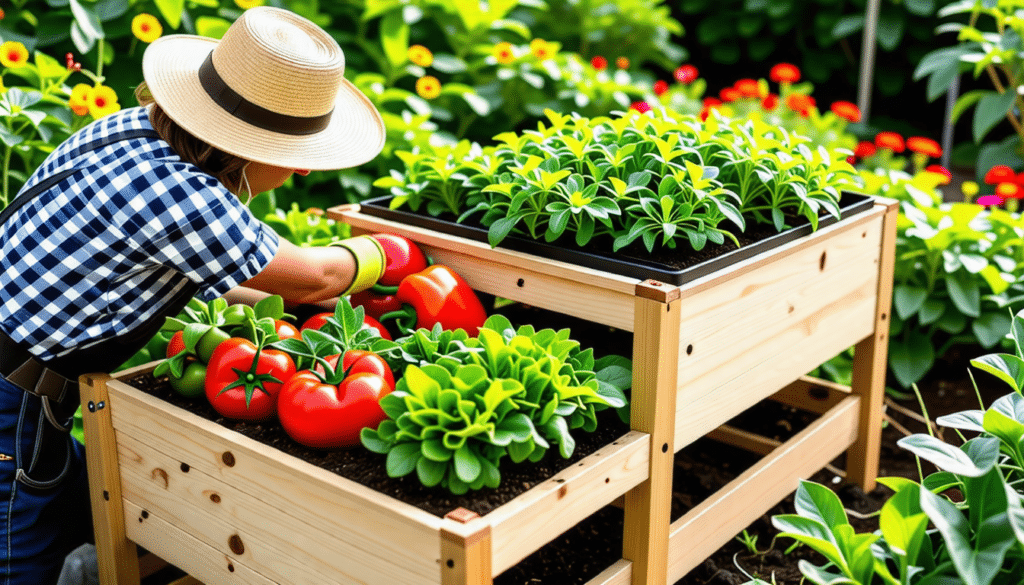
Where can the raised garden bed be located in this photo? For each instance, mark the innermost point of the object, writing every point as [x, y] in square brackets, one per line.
[227, 508]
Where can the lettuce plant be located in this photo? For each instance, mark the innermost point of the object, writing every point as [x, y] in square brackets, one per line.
[516, 392]
[976, 540]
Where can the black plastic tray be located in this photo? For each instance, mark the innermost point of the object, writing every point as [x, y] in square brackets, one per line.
[850, 204]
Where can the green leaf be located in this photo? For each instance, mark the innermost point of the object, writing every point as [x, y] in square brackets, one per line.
[1008, 368]
[848, 25]
[394, 33]
[819, 503]
[920, 7]
[911, 358]
[467, 466]
[171, 11]
[402, 459]
[429, 472]
[992, 108]
[930, 311]
[908, 299]
[890, 28]
[964, 291]
[991, 328]
[943, 455]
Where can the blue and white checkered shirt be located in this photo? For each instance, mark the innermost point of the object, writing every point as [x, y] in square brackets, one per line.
[106, 248]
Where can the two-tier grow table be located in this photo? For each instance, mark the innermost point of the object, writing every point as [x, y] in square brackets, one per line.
[206, 498]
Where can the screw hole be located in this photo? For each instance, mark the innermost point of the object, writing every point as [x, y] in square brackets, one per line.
[91, 406]
[451, 564]
[185, 467]
[607, 480]
[864, 234]
[145, 514]
[106, 495]
[215, 498]
[231, 568]
[664, 448]
[821, 263]
[520, 283]
[228, 458]
[689, 349]
[883, 316]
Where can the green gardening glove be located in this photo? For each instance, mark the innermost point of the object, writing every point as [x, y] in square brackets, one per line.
[370, 262]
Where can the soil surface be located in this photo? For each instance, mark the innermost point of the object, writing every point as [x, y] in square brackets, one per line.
[700, 469]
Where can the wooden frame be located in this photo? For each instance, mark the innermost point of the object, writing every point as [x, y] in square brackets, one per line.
[200, 495]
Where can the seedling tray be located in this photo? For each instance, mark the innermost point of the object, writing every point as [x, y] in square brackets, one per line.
[641, 268]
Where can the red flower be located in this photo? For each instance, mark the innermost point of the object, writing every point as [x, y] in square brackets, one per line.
[599, 63]
[686, 74]
[1009, 191]
[846, 110]
[940, 170]
[890, 140]
[770, 102]
[641, 107]
[999, 174]
[925, 146]
[748, 88]
[784, 72]
[1020, 179]
[800, 103]
[851, 159]
[730, 94]
[710, 102]
[864, 149]
[660, 87]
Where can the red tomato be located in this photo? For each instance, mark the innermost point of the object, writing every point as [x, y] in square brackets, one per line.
[236, 390]
[286, 330]
[177, 344]
[316, 321]
[374, 304]
[403, 258]
[371, 323]
[359, 361]
[324, 416]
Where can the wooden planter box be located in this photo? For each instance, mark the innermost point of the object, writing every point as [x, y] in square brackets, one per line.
[228, 509]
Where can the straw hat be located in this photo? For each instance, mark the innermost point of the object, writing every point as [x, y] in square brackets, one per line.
[271, 91]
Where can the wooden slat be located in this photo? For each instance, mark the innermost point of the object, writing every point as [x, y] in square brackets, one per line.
[275, 543]
[746, 440]
[396, 533]
[621, 573]
[538, 516]
[869, 364]
[466, 552]
[716, 520]
[812, 394]
[186, 580]
[751, 336]
[589, 294]
[117, 557]
[649, 505]
[199, 560]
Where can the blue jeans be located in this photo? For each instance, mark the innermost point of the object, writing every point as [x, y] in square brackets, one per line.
[44, 510]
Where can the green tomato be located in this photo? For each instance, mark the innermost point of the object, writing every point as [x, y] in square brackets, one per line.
[192, 381]
[209, 342]
[157, 346]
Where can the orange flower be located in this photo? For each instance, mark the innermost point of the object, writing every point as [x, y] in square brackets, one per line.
[146, 27]
[864, 149]
[660, 87]
[800, 103]
[770, 102]
[541, 49]
[428, 87]
[784, 73]
[730, 94]
[503, 53]
[622, 63]
[599, 63]
[999, 174]
[686, 74]
[79, 100]
[2, 14]
[846, 110]
[420, 55]
[13, 55]
[102, 101]
[925, 146]
[890, 140]
[748, 88]
[940, 170]
[1009, 190]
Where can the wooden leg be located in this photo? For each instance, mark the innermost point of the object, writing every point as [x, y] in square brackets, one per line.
[869, 366]
[465, 549]
[117, 556]
[648, 507]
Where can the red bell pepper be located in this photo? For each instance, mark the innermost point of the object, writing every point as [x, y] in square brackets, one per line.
[376, 303]
[438, 295]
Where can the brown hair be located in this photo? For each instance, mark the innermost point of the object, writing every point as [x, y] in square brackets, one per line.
[226, 168]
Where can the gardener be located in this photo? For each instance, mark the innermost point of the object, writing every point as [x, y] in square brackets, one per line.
[142, 210]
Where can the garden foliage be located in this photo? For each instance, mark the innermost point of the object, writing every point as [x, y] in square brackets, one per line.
[653, 177]
[963, 523]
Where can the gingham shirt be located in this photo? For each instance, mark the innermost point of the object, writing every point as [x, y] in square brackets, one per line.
[107, 247]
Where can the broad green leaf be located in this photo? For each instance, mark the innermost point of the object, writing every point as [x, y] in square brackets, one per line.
[1008, 368]
[171, 11]
[991, 109]
[910, 359]
[942, 455]
[817, 502]
[907, 299]
[402, 459]
[991, 328]
[394, 33]
[963, 290]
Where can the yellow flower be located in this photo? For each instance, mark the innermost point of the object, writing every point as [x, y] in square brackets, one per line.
[13, 54]
[541, 49]
[970, 188]
[503, 53]
[79, 100]
[247, 4]
[421, 55]
[102, 101]
[146, 27]
[428, 87]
